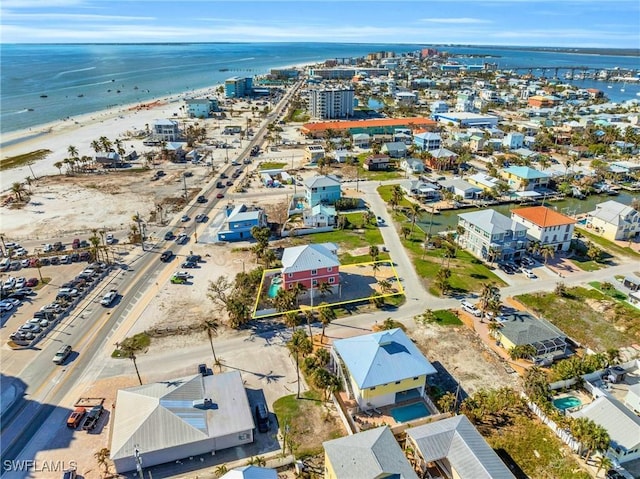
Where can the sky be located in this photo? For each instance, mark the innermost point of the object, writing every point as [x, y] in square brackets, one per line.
[561, 23]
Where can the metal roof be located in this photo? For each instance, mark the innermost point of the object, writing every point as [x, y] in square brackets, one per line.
[368, 455]
[492, 222]
[308, 257]
[611, 211]
[171, 413]
[621, 423]
[251, 472]
[458, 441]
[382, 358]
[322, 181]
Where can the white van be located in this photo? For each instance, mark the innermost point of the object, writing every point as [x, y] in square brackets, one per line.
[470, 308]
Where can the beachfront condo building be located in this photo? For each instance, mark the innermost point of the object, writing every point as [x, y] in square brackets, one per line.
[327, 103]
[238, 87]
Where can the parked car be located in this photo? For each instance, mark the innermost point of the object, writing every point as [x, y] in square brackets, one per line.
[182, 238]
[76, 416]
[31, 328]
[470, 308]
[110, 239]
[93, 416]
[25, 263]
[195, 258]
[189, 264]
[31, 282]
[58, 246]
[54, 260]
[168, 236]
[166, 256]
[185, 218]
[219, 196]
[178, 280]
[62, 354]
[204, 370]
[528, 273]
[201, 218]
[76, 243]
[47, 248]
[20, 282]
[5, 306]
[69, 473]
[262, 417]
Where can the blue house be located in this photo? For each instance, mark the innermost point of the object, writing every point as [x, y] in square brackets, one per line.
[239, 222]
[323, 189]
[427, 141]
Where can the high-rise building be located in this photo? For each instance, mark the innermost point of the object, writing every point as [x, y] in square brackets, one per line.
[327, 103]
[237, 87]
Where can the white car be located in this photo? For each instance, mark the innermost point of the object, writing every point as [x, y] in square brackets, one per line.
[470, 308]
[20, 282]
[110, 238]
[20, 252]
[10, 283]
[528, 273]
[47, 248]
[5, 306]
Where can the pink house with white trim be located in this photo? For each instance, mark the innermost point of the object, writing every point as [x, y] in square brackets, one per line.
[310, 265]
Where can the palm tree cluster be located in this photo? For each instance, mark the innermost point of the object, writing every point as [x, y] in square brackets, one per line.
[397, 195]
[590, 435]
[546, 252]
[238, 297]
[493, 407]
[576, 366]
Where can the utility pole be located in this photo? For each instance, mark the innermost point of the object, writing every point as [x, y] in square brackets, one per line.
[139, 221]
[184, 180]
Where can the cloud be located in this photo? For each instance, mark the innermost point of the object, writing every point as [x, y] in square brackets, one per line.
[71, 17]
[453, 20]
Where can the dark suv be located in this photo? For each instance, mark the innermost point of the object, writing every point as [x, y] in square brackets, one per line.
[166, 256]
[262, 417]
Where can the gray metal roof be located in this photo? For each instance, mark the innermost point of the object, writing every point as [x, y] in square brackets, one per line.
[321, 181]
[492, 222]
[621, 423]
[612, 212]
[521, 328]
[382, 358]
[165, 414]
[458, 441]
[308, 257]
[368, 455]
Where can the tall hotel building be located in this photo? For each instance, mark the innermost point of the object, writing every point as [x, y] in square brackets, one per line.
[328, 103]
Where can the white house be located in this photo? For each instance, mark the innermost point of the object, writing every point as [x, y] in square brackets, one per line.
[412, 166]
[319, 216]
[513, 140]
[615, 221]
[546, 226]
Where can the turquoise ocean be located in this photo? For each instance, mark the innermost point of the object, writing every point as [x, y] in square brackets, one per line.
[41, 83]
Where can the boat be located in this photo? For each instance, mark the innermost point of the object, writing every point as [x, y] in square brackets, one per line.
[80, 95]
[43, 96]
[224, 70]
[29, 109]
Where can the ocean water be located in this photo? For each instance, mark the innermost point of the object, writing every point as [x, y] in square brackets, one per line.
[83, 78]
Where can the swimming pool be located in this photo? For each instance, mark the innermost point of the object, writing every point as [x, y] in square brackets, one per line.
[410, 412]
[273, 289]
[566, 402]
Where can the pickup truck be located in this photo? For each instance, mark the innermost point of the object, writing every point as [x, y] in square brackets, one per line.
[93, 417]
[108, 298]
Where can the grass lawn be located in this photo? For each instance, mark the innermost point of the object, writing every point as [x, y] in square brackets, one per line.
[379, 175]
[345, 239]
[586, 264]
[139, 342]
[588, 316]
[467, 272]
[611, 291]
[608, 245]
[272, 165]
[22, 160]
[526, 436]
[308, 422]
[386, 192]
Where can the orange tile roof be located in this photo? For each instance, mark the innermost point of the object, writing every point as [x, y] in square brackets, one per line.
[543, 216]
[343, 125]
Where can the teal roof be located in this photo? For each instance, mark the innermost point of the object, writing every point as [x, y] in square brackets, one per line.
[525, 172]
[382, 358]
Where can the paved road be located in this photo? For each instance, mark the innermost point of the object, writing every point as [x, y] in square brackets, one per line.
[89, 329]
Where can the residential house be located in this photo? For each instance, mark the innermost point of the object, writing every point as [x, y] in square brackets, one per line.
[204, 414]
[310, 265]
[239, 221]
[462, 188]
[632, 398]
[420, 189]
[313, 153]
[395, 149]
[513, 140]
[381, 368]
[427, 141]
[521, 329]
[201, 107]
[546, 226]
[341, 155]
[542, 101]
[620, 422]
[492, 236]
[439, 107]
[405, 98]
[524, 178]
[371, 454]
[323, 189]
[376, 163]
[412, 166]
[453, 448]
[476, 143]
[615, 221]
[166, 130]
[442, 159]
[486, 182]
[361, 140]
[319, 216]
[110, 159]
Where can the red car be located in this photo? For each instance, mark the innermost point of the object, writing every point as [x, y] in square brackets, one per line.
[219, 195]
[31, 282]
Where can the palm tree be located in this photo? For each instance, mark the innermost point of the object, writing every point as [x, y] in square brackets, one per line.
[299, 346]
[291, 320]
[210, 325]
[324, 288]
[547, 251]
[102, 457]
[18, 188]
[73, 151]
[442, 280]
[385, 286]
[96, 146]
[494, 327]
[489, 293]
[374, 252]
[613, 356]
[447, 402]
[326, 314]
[375, 267]
[405, 231]
[258, 461]
[59, 164]
[95, 243]
[603, 463]
[414, 210]
[128, 349]
[221, 470]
